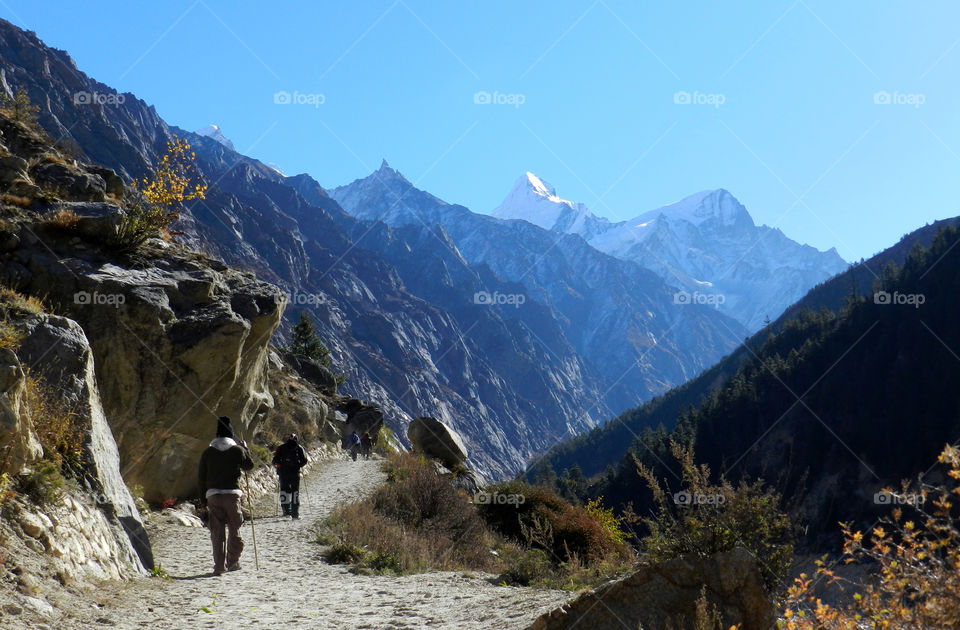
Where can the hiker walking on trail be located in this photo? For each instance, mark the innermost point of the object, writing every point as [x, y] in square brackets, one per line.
[366, 445]
[220, 468]
[354, 444]
[289, 458]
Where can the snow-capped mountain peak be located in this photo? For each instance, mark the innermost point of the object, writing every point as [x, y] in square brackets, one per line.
[213, 132]
[707, 205]
[705, 239]
[533, 199]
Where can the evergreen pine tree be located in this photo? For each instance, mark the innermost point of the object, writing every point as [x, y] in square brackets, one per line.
[305, 341]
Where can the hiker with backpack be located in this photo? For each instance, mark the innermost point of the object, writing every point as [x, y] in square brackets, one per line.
[288, 459]
[353, 443]
[220, 468]
[366, 445]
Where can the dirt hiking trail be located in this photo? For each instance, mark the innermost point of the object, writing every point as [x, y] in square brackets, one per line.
[294, 586]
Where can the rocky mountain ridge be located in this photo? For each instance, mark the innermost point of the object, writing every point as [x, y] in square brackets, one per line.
[706, 244]
[480, 368]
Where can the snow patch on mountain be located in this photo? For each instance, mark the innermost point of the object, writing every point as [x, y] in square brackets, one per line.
[213, 132]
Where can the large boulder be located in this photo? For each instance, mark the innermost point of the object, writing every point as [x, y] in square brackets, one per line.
[308, 369]
[18, 443]
[177, 339]
[435, 439]
[68, 181]
[664, 597]
[361, 417]
[56, 350]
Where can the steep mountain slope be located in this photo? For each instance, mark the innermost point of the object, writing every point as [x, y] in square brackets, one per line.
[606, 446]
[706, 244]
[832, 407]
[483, 369]
[620, 317]
[213, 132]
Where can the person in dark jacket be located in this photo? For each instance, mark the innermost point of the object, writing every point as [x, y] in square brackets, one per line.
[220, 468]
[366, 445]
[289, 458]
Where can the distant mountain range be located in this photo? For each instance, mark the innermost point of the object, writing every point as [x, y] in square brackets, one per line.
[415, 326]
[620, 317]
[516, 335]
[706, 244]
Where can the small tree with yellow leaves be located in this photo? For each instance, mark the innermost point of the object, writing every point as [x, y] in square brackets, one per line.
[916, 580]
[174, 181]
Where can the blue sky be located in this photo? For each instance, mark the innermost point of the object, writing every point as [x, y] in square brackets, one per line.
[788, 100]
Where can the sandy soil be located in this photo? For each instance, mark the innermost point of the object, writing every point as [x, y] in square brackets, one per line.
[295, 586]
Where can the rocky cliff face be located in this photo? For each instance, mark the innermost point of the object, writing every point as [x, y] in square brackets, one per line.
[96, 530]
[176, 343]
[618, 319]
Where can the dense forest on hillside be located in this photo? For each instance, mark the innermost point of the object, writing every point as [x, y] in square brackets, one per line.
[604, 446]
[831, 408]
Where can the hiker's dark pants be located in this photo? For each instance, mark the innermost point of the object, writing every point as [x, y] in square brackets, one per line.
[225, 522]
[290, 492]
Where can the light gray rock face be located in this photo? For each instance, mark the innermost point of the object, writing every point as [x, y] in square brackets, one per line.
[74, 538]
[176, 343]
[664, 597]
[56, 350]
[18, 443]
[435, 439]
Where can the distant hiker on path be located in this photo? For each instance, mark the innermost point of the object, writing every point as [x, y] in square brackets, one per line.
[220, 469]
[289, 458]
[366, 445]
[354, 444]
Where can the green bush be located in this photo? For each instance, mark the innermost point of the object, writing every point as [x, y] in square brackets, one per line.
[535, 516]
[526, 567]
[344, 553]
[726, 516]
[43, 483]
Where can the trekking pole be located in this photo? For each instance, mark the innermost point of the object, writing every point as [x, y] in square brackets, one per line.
[253, 529]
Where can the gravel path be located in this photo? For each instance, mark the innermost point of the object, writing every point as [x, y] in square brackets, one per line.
[294, 586]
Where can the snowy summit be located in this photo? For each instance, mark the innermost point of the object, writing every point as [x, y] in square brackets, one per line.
[213, 132]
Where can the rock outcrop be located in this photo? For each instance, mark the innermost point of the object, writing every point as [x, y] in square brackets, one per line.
[56, 350]
[435, 439]
[664, 597]
[18, 443]
[177, 340]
